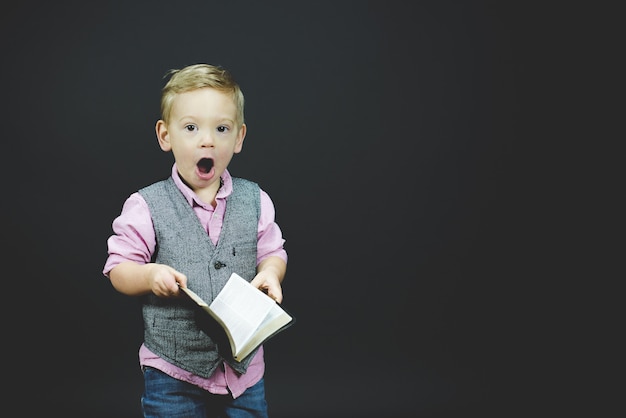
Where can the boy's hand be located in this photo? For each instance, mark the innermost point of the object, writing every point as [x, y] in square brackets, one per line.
[268, 282]
[164, 280]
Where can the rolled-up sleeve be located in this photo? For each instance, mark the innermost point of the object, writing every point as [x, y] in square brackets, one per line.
[133, 236]
[270, 238]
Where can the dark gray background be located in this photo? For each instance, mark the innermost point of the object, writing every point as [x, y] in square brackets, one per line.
[392, 137]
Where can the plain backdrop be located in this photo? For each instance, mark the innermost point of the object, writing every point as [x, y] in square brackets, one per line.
[390, 136]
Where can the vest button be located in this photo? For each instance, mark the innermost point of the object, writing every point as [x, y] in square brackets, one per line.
[218, 265]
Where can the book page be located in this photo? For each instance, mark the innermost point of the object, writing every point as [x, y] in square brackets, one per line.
[248, 315]
[275, 320]
[242, 308]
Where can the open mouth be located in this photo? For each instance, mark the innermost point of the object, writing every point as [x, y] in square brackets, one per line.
[205, 165]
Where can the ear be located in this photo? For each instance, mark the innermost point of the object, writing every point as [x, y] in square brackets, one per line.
[163, 136]
[240, 137]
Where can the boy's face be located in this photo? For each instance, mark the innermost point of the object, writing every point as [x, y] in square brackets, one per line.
[203, 136]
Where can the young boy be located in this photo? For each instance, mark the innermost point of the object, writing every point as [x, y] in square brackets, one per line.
[194, 229]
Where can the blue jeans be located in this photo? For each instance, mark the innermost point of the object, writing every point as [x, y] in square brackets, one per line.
[166, 397]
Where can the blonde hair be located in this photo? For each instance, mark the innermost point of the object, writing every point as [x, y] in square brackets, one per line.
[199, 76]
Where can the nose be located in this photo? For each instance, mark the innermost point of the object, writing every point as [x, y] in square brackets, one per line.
[206, 140]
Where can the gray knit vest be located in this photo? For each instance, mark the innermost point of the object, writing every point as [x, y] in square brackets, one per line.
[175, 328]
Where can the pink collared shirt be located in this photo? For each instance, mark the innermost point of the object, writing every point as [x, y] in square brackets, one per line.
[134, 240]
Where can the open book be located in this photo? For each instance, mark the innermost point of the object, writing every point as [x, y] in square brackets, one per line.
[248, 316]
